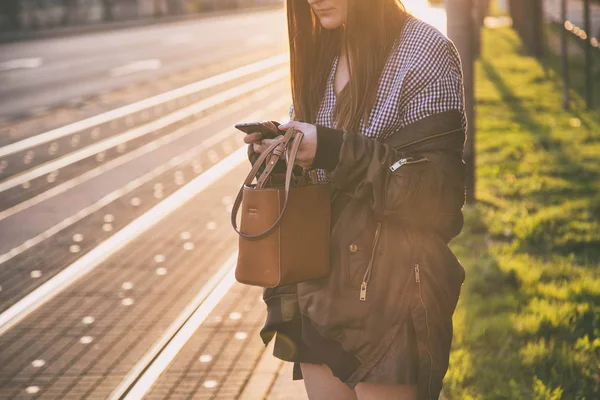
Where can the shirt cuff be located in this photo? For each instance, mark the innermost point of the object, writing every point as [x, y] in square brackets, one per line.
[329, 144]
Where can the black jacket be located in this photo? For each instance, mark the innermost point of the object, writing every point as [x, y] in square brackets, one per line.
[389, 247]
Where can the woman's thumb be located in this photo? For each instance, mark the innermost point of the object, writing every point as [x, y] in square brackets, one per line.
[288, 125]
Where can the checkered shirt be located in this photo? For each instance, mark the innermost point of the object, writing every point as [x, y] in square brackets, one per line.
[422, 77]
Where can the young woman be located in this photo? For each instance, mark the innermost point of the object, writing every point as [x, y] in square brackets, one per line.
[378, 95]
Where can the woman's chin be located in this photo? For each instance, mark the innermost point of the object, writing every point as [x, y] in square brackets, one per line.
[330, 22]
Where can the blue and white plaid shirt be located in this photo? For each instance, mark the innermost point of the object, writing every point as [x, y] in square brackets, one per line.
[422, 77]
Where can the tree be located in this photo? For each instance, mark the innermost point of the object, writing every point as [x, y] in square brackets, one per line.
[480, 11]
[528, 22]
[462, 32]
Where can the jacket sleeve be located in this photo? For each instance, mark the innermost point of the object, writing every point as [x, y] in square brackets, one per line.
[427, 193]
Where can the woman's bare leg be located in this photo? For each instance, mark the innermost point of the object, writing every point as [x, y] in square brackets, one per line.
[375, 391]
[321, 384]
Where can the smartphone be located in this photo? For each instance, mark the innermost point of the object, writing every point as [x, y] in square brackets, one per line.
[269, 129]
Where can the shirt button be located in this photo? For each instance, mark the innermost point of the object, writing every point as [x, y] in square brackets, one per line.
[353, 248]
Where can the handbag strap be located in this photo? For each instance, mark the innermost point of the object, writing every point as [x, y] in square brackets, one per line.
[274, 157]
[288, 177]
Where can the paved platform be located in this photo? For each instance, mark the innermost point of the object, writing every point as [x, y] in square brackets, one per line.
[85, 342]
[226, 358]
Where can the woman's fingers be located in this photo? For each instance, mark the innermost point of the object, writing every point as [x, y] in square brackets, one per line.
[253, 137]
[262, 145]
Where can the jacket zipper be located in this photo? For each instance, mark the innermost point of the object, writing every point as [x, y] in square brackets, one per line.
[367, 276]
[437, 135]
[409, 160]
[418, 281]
[406, 161]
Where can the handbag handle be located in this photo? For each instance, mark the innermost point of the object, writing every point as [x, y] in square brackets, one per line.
[278, 152]
[277, 147]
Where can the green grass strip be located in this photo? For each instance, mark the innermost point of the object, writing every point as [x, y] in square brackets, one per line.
[527, 325]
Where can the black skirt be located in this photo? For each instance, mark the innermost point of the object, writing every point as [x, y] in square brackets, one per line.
[298, 341]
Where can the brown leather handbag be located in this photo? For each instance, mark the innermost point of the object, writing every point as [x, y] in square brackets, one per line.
[284, 229]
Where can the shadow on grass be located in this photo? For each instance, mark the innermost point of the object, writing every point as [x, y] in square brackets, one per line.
[527, 321]
[484, 332]
[544, 236]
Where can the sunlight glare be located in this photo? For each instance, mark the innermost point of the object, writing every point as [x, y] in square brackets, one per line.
[421, 9]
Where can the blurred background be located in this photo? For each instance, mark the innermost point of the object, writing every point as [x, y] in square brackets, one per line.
[39, 14]
[120, 166]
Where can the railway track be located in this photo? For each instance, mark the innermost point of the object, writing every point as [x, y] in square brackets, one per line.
[116, 242]
[33, 166]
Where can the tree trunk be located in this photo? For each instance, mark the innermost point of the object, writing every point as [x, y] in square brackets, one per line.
[483, 8]
[534, 28]
[460, 31]
[480, 11]
[516, 8]
[589, 77]
[564, 50]
[528, 22]
[538, 29]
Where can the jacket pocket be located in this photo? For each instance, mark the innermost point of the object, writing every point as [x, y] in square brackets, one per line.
[369, 269]
[359, 253]
[404, 182]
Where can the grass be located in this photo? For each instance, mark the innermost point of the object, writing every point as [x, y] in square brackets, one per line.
[527, 325]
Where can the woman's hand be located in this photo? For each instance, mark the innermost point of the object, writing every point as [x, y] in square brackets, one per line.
[308, 146]
[255, 137]
[306, 151]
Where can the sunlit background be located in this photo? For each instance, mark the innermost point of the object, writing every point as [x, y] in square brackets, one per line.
[120, 165]
[432, 12]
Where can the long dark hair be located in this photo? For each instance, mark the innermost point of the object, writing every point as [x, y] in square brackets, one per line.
[371, 29]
